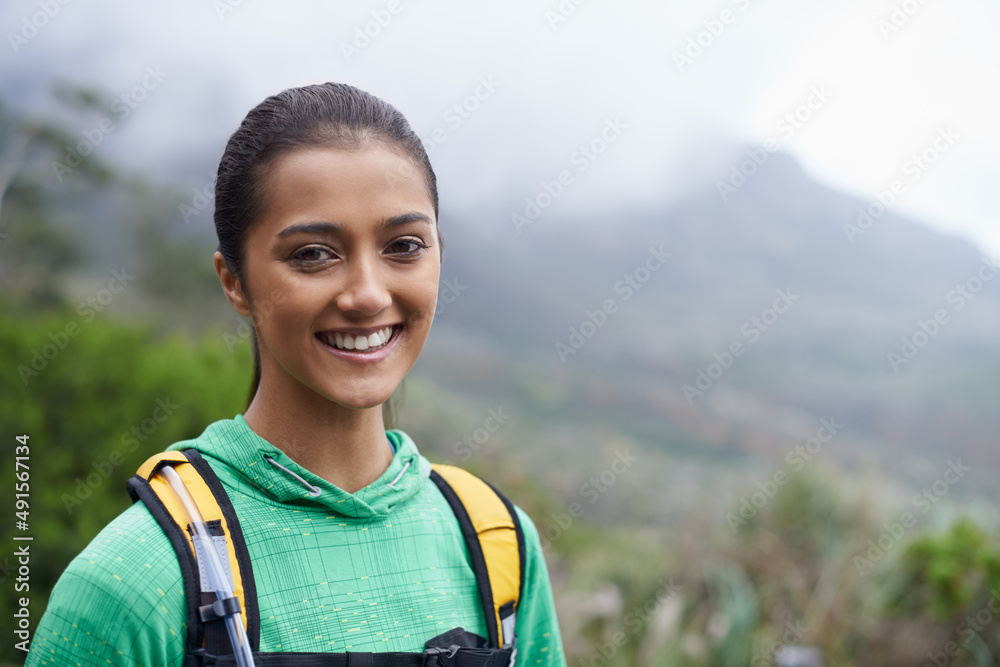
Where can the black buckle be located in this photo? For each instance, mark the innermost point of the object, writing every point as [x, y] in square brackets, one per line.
[448, 652]
[219, 609]
[440, 656]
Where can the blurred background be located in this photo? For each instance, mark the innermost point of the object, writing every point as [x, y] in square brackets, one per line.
[723, 270]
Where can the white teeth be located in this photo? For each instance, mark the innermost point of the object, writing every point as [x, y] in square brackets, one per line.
[346, 341]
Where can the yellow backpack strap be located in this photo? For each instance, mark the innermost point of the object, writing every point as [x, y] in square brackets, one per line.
[217, 510]
[493, 534]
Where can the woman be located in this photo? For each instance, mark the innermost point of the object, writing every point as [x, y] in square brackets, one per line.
[326, 213]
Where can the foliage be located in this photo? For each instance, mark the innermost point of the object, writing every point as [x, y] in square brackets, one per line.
[787, 577]
[948, 575]
[108, 398]
[954, 579]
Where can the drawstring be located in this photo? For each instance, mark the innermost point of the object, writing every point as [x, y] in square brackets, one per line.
[392, 484]
[313, 490]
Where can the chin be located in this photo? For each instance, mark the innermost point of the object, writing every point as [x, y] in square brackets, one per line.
[362, 401]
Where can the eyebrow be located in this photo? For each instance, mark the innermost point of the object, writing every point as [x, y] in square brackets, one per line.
[337, 228]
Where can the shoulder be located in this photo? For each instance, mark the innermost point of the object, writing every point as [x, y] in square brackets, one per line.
[532, 536]
[130, 560]
[132, 544]
[121, 598]
[534, 552]
[538, 637]
[489, 507]
[481, 490]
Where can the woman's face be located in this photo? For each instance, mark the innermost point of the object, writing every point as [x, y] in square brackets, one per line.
[342, 269]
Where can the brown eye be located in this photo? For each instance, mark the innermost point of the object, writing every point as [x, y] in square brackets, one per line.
[312, 255]
[406, 247]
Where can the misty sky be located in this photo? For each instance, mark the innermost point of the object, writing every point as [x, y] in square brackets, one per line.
[885, 81]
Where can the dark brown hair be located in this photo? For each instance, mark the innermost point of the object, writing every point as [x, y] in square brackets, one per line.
[333, 115]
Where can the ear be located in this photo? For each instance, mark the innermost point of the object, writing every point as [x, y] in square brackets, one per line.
[231, 286]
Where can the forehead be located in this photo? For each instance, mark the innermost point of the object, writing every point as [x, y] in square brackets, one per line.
[365, 183]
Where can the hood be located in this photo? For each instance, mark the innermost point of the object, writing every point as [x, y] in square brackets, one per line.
[244, 455]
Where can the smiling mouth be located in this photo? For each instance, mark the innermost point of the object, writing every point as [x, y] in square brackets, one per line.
[369, 343]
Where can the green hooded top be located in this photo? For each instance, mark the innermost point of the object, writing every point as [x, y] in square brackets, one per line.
[383, 569]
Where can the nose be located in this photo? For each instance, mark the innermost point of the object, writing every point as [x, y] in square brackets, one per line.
[365, 291]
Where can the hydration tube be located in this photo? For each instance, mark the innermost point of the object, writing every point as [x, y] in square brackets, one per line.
[213, 566]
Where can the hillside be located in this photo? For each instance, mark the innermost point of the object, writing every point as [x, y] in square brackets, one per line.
[828, 355]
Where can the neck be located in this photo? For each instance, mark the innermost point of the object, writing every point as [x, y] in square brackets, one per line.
[346, 447]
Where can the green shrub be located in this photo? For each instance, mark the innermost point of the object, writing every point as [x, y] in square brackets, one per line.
[95, 403]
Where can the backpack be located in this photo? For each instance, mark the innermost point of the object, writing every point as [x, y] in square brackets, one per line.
[489, 524]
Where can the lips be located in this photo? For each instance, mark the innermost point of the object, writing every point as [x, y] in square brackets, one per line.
[359, 342]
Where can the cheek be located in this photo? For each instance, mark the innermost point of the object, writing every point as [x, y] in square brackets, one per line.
[273, 297]
[417, 288]
[427, 292]
[419, 298]
[284, 318]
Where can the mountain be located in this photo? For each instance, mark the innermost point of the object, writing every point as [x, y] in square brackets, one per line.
[782, 241]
